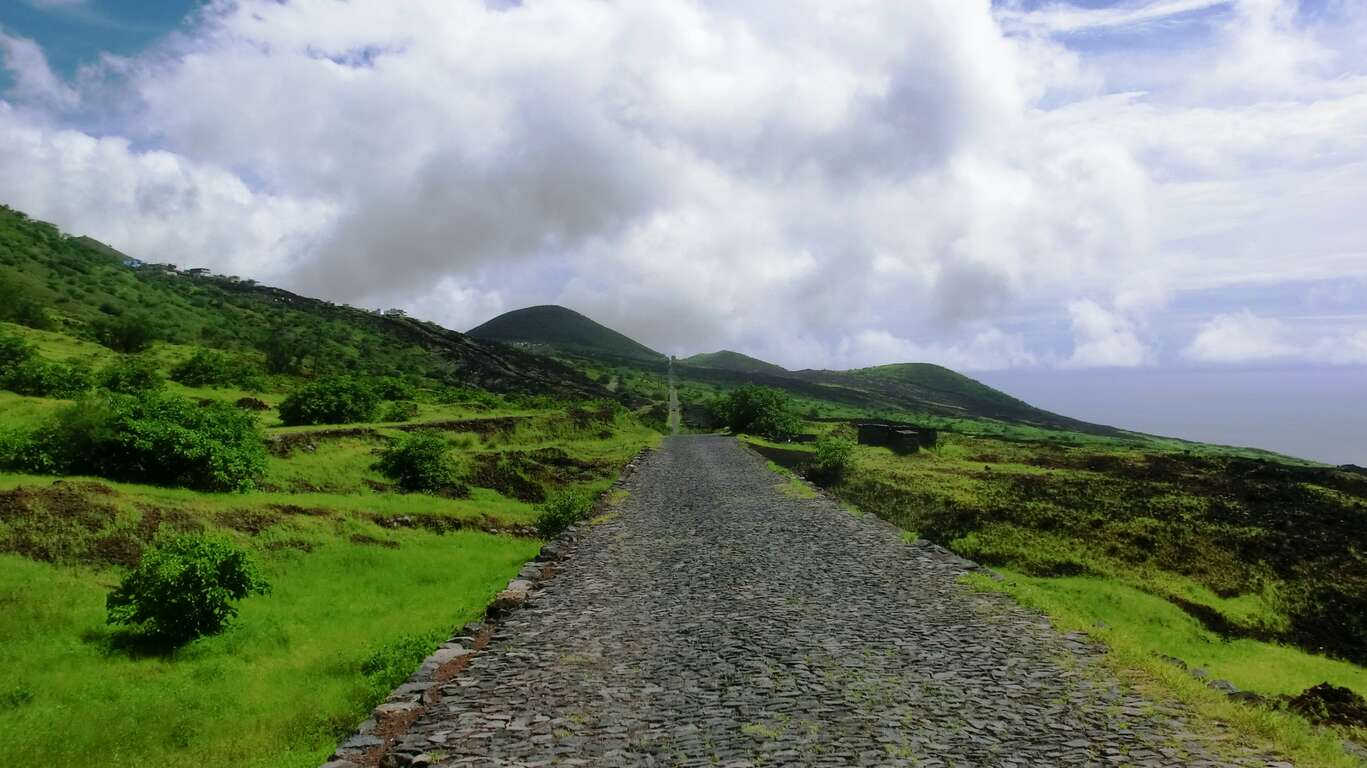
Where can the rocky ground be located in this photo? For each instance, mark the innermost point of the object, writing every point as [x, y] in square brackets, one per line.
[713, 619]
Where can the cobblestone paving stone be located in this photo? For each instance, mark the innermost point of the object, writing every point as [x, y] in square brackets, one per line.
[714, 621]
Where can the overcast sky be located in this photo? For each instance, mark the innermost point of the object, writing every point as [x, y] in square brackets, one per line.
[1020, 185]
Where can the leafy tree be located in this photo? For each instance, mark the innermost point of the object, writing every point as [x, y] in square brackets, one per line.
[131, 375]
[183, 588]
[418, 462]
[152, 438]
[757, 410]
[336, 400]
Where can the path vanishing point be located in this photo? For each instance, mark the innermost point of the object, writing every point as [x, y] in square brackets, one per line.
[714, 620]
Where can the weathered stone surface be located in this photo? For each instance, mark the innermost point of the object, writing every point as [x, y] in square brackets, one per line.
[715, 621]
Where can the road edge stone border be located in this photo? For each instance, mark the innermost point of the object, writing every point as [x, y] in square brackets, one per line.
[379, 740]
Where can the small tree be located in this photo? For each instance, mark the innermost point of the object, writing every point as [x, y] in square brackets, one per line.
[418, 462]
[337, 400]
[183, 588]
[757, 410]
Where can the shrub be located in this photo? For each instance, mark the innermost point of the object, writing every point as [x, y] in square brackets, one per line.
[211, 368]
[390, 664]
[399, 410]
[18, 305]
[833, 460]
[561, 510]
[393, 388]
[418, 462]
[149, 438]
[757, 410]
[337, 400]
[125, 333]
[183, 588]
[130, 375]
[40, 378]
[14, 351]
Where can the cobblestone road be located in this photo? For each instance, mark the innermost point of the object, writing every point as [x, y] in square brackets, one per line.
[715, 620]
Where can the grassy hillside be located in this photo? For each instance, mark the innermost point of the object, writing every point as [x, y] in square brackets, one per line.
[81, 289]
[727, 360]
[559, 329]
[156, 382]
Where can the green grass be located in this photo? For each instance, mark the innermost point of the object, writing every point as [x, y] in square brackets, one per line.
[1138, 626]
[1158, 625]
[277, 689]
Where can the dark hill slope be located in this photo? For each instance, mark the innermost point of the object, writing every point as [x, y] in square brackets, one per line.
[727, 360]
[562, 330]
[79, 286]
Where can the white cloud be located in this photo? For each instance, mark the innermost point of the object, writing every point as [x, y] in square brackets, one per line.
[823, 185]
[1104, 338]
[34, 81]
[1065, 17]
[1244, 337]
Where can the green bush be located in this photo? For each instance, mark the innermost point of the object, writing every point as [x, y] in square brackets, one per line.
[418, 462]
[14, 351]
[183, 588]
[36, 377]
[393, 388]
[211, 368]
[757, 410]
[399, 410]
[18, 305]
[131, 375]
[125, 333]
[561, 510]
[833, 460]
[148, 438]
[337, 400]
[387, 666]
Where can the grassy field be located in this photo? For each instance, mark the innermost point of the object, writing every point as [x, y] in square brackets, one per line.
[357, 568]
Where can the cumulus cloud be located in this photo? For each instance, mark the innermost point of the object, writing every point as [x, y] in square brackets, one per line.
[823, 186]
[1103, 338]
[1244, 337]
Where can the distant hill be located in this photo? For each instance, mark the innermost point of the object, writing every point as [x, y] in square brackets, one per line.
[75, 284]
[939, 390]
[554, 328]
[727, 360]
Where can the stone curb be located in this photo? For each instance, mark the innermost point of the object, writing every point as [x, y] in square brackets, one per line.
[379, 739]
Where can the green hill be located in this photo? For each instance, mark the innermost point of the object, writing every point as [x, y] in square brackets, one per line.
[938, 390]
[727, 360]
[558, 329]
